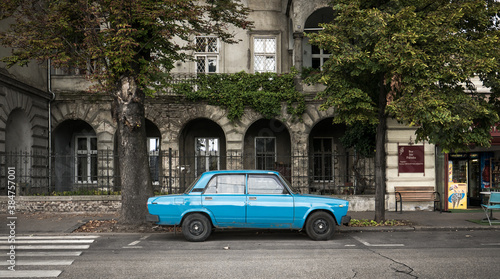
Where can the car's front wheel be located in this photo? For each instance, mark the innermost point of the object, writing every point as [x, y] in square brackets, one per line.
[196, 227]
[320, 226]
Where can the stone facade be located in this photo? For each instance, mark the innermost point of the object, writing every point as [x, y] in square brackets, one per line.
[65, 204]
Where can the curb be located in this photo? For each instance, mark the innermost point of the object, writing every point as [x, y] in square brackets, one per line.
[413, 228]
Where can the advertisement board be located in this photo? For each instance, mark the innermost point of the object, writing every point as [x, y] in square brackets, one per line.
[457, 196]
[411, 159]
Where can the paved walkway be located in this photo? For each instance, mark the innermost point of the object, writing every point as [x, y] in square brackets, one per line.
[62, 223]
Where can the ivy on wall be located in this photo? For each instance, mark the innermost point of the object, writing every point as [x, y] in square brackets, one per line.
[263, 92]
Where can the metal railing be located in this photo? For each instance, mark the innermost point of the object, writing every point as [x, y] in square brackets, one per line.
[172, 172]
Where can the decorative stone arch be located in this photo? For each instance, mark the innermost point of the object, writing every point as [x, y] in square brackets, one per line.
[18, 132]
[19, 105]
[303, 9]
[97, 115]
[301, 129]
[23, 130]
[212, 113]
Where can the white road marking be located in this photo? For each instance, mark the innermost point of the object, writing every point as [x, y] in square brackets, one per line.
[33, 246]
[40, 262]
[376, 245]
[134, 243]
[49, 254]
[54, 237]
[48, 241]
[29, 273]
[47, 247]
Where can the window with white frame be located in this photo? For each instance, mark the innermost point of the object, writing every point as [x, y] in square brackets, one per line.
[154, 159]
[207, 54]
[207, 154]
[265, 153]
[264, 54]
[313, 56]
[86, 159]
[318, 57]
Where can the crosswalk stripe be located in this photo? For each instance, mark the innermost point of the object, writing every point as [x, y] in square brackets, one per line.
[33, 246]
[54, 237]
[49, 254]
[29, 273]
[47, 247]
[48, 241]
[39, 262]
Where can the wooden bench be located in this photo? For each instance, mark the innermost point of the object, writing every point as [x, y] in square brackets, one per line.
[493, 204]
[416, 193]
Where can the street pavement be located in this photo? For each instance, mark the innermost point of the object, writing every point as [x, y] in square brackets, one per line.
[65, 223]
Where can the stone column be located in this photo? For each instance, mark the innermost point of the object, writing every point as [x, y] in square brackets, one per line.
[297, 46]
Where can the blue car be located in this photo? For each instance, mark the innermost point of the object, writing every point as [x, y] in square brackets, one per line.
[247, 199]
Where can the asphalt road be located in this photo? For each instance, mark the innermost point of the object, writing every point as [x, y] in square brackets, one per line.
[257, 254]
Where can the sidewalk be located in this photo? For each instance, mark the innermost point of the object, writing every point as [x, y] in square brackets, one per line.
[49, 223]
[427, 220]
[65, 223]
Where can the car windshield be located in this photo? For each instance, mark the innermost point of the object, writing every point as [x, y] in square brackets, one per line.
[188, 189]
[288, 184]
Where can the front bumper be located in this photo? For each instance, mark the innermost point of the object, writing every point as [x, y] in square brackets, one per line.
[152, 218]
[345, 220]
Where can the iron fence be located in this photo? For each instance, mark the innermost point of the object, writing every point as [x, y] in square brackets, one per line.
[172, 172]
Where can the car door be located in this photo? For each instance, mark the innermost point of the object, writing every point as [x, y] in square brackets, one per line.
[269, 204]
[224, 196]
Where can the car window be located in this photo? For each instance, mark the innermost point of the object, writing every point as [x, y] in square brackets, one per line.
[265, 185]
[226, 184]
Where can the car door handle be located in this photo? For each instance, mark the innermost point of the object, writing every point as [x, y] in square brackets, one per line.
[252, 198]
[208, 198]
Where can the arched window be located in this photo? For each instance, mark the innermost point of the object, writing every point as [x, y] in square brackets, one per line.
[315, 57]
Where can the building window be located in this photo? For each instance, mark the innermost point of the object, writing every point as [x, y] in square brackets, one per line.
[207, 154]
[264, 49]
[154, 159]
[323, 159]
[207, 54]
[265, 153]
[318, 57]
[86, 159]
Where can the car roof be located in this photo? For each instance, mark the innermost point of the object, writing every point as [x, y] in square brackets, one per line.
[241, 171]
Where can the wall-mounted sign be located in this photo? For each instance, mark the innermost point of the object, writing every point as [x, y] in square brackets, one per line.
[411, 159]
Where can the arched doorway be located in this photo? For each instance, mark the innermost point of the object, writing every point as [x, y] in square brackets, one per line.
[202, 146]
[267, 146]
[75, 156]
[329, 160]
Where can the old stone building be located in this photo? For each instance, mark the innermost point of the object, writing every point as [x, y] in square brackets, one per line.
[71, 134]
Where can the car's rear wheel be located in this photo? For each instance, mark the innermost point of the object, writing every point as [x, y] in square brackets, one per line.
[320, 226]
[196, 227]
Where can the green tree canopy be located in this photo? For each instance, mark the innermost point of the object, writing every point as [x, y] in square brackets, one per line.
[422, 55]
[412, 60]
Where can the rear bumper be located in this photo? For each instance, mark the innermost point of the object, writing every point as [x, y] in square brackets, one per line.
[345, 220]
[152, 218]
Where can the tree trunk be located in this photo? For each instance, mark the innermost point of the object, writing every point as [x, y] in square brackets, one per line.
[380, 158]
[135, 178]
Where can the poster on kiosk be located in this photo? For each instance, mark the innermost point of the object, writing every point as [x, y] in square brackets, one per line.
[457, 192]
